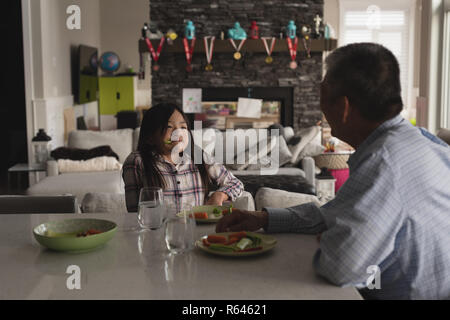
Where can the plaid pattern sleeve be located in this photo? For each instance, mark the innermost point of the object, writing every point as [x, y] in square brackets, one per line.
[392, 214]
[226, 181]
[306, 218]
[131, 174]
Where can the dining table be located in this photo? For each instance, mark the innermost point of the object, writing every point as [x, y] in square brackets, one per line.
[136, 264]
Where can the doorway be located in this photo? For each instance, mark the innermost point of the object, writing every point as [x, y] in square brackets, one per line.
[13, 131]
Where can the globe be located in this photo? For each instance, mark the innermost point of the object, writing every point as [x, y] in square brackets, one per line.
[109, 62]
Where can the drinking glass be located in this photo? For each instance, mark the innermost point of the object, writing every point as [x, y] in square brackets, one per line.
[151, 212]
[180, 232]
[171, 208]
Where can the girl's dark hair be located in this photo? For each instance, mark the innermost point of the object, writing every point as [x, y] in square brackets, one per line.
[154, 125]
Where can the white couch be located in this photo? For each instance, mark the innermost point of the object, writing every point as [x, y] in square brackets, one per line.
[122, 142]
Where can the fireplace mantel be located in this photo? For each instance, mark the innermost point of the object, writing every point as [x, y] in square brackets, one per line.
[250, 45]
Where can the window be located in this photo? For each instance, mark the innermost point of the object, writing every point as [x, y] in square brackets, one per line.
[445, 111]
[389, 23]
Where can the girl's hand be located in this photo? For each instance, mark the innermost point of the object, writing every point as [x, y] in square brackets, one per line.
[217, 198]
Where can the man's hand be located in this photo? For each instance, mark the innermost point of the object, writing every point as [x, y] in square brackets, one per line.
[217, 198]
[241, 220]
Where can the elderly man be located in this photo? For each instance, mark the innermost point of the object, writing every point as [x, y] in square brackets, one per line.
[393, 213]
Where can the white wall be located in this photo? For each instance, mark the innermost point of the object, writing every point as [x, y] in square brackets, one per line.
[331, 14]
[47, 55]
[120, 24]
[57, 40]
[109, 25]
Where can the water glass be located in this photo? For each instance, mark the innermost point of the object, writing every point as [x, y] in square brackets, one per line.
[180, 232]
[151, 212]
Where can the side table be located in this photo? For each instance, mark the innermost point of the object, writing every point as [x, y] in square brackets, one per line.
[336, 163]
[21, 168]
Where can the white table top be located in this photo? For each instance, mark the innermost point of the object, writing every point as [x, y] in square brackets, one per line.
[133, 265]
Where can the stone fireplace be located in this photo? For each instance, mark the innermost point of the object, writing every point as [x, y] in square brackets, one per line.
[249, 76]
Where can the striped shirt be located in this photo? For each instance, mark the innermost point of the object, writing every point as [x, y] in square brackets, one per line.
[393, 212]
[183, 181]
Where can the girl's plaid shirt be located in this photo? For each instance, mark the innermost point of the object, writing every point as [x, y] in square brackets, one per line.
[183, 181]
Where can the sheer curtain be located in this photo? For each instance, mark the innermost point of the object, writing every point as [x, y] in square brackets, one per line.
[445, 110]
[389, 23]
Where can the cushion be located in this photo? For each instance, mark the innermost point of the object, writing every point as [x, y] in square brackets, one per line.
[307, 135]
[283, 157]
[277, 126]
[283, 182]
[91, 165]
[272, 198]
[245, 202]
[78, 184]
[121, 141]
[312, 149]
[83, 154]
[288, 133]
[97, 202]
[239, 142]
[246, 153]
[205, 139]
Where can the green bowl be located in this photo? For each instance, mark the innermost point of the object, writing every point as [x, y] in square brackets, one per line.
[62, 235]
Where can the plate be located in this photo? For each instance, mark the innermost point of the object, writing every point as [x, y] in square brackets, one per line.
[267, 243]
[62, 235]
[209, 210]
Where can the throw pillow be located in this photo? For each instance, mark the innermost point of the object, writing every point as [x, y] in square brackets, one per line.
[295, 139]
[205, 139]
[284, 156]
[91, 165]
[273, 198]
[252, 157]
[121, 140]
[306, 135]
[244, 150]
[276, 126]
[312, 149]
[83, 154]
[288, 133]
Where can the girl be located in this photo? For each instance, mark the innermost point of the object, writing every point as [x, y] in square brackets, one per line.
[161, 162]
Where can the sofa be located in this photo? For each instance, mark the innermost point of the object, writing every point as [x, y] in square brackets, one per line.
[81, 183]
[94, 190]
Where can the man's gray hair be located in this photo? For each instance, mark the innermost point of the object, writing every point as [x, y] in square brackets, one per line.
[368, 74]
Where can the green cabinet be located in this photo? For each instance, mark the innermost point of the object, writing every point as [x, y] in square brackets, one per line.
[116, 94]
[88, 88]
